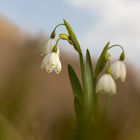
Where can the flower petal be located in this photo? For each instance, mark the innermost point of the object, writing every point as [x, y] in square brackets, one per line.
[106, 85]
[118, 70]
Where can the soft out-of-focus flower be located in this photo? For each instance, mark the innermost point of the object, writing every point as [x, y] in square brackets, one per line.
[106, 85]
[118, 70]
[51, 62]
[49, 47]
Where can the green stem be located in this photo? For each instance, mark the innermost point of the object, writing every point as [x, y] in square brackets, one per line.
[95, 98]
[122, 56]
[82, 66]
[58, 25]
[84, 126]
[105, 110]
[116, 45]
[55, 46]
[53, 32]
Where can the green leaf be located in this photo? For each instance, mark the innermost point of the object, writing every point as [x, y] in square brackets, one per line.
[75, 83]
[89, 79]
[77, 92]
[73, 37]
[102, 60]
[82, 67]
[78, 108]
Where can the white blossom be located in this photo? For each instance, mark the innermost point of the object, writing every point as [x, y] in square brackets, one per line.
[118, 70]
[51, 62]
[49, 47]
[106, 85]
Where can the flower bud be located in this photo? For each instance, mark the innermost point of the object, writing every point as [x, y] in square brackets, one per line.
[118, 70]
[64, 36]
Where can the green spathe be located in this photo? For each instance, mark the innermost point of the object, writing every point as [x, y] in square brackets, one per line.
[102, 60]
[73, 38]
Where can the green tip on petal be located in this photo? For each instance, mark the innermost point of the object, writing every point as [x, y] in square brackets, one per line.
[53, 65]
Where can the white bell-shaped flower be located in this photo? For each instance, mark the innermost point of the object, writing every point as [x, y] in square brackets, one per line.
[49, 47]
[51, 62]
[118, 70]
[106, 85]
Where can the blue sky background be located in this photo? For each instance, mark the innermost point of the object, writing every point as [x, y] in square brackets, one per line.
[36, 15]
[94, 21]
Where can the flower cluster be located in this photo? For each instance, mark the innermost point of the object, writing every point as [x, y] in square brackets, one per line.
[106, 84]
[86, 102]
[51, 61]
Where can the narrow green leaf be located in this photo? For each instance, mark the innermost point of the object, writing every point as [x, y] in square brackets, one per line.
[102, 60]
[82, 67]
[75, 83]
[77, 92]
[78, 108]
[89, 79]
[73, 36]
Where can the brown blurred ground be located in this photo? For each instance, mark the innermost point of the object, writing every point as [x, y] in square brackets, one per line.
[39, 106]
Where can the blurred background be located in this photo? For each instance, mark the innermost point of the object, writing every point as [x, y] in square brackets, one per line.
[35, 105]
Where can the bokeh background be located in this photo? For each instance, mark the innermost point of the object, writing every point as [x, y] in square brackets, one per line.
[35, 105]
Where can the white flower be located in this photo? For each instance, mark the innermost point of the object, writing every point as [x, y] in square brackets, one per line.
[106, 85]
[49, 47]
[51, 63]
[118, 70]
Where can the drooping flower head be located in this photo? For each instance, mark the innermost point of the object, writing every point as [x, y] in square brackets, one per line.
[106, 85]
[118, 70]
[51, 62]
